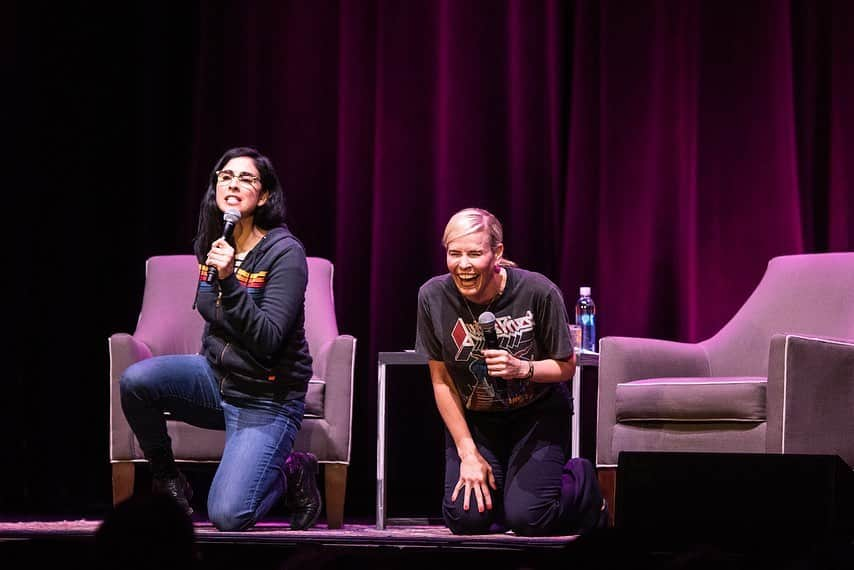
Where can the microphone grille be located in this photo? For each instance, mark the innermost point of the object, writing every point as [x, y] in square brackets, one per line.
[486, 319]
[231, 215]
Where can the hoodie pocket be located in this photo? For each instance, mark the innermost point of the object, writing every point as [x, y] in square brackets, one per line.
[238, 360]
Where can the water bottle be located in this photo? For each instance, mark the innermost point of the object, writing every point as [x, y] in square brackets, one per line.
[585, 316]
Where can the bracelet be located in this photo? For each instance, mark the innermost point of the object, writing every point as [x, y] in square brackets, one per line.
[530, 373]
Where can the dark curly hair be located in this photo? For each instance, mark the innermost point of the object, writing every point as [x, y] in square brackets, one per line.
[267, 216]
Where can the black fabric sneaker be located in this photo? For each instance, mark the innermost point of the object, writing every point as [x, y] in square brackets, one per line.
[302, 498]
[176, 487]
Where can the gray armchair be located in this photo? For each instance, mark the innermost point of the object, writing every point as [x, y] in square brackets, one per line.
[778, 377]
[168, 325]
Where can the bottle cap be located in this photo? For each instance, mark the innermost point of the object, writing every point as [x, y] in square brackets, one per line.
[584, 291]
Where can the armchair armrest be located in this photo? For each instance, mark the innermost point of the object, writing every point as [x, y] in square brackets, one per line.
[335, 364]
[811, 395]
[124, 350]
[624, 359]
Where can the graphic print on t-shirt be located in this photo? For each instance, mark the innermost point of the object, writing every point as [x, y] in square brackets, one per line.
[516, 336]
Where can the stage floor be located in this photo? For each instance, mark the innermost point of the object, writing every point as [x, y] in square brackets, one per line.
[274, 532]
[271, 545]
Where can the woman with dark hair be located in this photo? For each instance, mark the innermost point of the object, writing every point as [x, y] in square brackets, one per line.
[253, 371]
[498, 347]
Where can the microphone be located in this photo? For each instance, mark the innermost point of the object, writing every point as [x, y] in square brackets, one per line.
[230, 217]
[486, 320]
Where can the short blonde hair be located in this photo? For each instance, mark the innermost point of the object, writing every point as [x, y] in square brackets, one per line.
[471, 221]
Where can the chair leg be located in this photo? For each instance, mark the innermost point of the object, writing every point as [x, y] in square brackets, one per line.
[608, 484]
[123, 476]
[335, 480]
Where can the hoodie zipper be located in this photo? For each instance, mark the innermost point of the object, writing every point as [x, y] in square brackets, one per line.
[218, 315]
[222, 380]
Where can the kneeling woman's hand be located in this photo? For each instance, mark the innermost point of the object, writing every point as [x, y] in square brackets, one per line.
[475, 477]
[502, 364]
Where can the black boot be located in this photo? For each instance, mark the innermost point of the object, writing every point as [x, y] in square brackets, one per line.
[176, 487]
[303, 497]
[167, 480]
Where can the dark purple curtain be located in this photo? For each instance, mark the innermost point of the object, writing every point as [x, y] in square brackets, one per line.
[660, 151]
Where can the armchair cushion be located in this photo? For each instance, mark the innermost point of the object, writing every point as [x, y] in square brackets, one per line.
[710, 399]
[721, 437]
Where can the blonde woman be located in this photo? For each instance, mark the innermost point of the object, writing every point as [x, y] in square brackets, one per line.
[506, 409]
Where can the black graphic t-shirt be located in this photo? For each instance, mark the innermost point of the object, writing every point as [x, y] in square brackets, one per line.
[531, 323]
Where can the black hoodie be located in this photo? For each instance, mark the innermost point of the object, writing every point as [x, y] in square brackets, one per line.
[255, 332]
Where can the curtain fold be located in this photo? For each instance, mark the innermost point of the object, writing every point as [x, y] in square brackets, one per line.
[839, 223]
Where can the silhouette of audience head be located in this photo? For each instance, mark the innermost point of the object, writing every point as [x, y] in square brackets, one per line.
[146, 532]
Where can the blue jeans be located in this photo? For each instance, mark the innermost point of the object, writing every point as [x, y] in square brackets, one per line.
[259, 432]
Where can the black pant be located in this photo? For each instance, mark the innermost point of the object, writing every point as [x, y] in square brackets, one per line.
[540, 492]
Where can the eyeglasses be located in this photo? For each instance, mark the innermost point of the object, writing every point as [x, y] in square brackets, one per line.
[244, 178]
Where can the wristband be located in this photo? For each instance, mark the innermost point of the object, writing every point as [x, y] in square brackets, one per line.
[530, 373]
